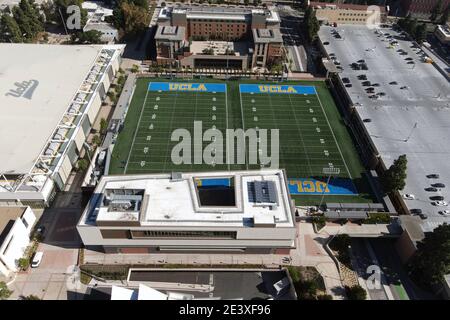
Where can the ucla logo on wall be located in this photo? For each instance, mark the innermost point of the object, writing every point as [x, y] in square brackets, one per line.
[187, 87]
[277, 89]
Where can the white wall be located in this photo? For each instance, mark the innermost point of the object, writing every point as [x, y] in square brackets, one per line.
[13, 248]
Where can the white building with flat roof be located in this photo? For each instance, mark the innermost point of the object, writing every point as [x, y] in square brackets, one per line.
[237, 211]
[16, 224]
[50, 97]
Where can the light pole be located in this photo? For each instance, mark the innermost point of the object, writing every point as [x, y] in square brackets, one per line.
[328, 171]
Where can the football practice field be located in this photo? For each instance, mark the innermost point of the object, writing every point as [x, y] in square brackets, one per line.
[311, 133]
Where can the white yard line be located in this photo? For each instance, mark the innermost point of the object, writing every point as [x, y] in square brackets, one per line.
[334, 137]
[243, 127]
[226, 119]
[137, 128]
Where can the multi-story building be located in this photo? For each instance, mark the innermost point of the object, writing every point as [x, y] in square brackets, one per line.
[16, 224]
[48, 109]
[421, 8]
[331, 13]
[199, 36]
[240, 212]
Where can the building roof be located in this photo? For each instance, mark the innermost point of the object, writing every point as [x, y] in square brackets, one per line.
[37, 84]
[170, 33]
[267, 36]
[343, 6]
[7, 217]
[157, 200]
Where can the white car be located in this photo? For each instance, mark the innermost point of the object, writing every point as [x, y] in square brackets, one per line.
[409, 196]
[37, 259]
[441, 203]
[445, 212]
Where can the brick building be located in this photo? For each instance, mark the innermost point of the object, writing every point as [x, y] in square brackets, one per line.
[228, 36]
[421, 8]
[331, 13]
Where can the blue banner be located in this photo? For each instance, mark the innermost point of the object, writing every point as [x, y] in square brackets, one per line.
[270, 88]
[308, 186]
[187, 87]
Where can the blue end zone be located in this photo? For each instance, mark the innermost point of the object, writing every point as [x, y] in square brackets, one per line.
[187, 87]
[336, 186]
[286, 89]
[224, 182]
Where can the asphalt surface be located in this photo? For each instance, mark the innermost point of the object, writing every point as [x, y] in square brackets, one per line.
[248, 285]
[414, 121]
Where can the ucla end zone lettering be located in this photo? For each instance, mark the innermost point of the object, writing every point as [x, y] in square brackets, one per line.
[186, 87]
[283, 89]
[318, 187]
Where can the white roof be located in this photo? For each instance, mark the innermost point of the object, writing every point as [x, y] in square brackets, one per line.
[29, 118]
[176, 202]
[120, 293]
[147, 293]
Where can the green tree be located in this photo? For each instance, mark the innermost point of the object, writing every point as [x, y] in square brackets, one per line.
[394, 178]
[103, 125]
[96, 140]
[24, 263]
[87, 37]
[420, 33]
[431, 261]
[436, 11]
[310, 24]
[60, 9]
[9, 29]
[5, 293]
[83, 164]
[356, 293]
[30, 297]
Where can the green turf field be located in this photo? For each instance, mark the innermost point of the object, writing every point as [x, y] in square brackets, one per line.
[312, 133]
[307, 142]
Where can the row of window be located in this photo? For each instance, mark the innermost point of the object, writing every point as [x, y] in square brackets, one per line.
[350, 19]
[139, 234]
[353, 14]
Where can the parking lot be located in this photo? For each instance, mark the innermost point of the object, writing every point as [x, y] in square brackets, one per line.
[407, 109]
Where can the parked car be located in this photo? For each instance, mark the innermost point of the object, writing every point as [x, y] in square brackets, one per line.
[431, 189]
[366, 83]
[433, 176]
[37, 258]
[441, 203]
[345, 80]
[409, 196]
[362, 77]
[375, 84]
[393, 83]
[438, 185]
[348, 85]
[367, 120]
[440, 198]
[404, 87]
[40, 231]
[416, 211]
[444, 212]
[326, 43]
[423, 216]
